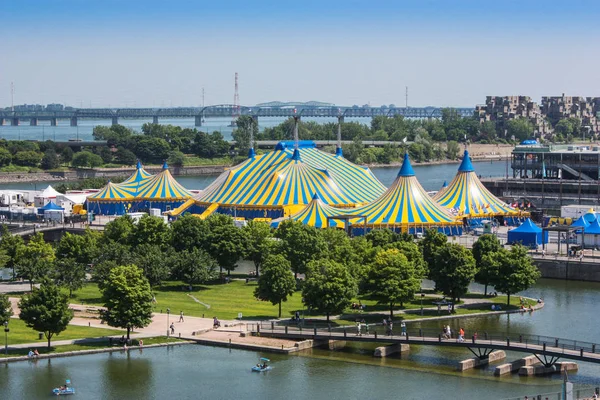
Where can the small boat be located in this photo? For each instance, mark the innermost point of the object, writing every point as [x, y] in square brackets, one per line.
[65, 390]
[262, 367]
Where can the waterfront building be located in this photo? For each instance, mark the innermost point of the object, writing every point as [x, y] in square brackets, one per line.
[502, 109]
[466, 197]
[586, 109]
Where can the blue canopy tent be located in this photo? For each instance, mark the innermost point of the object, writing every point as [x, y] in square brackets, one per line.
[581, 223]
[528, 234]
[50, 206]
[590, 236]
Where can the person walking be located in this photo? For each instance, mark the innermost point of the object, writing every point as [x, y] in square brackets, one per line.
[172, 328]
[391, 325]
[403, 329]
[181, 316]
[357, 328]
[461, 335]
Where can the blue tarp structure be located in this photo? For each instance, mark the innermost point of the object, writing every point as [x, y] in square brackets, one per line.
[51, 206]
[580, 223]
[528, 234]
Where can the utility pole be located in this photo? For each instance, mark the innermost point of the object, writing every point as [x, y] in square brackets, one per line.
[203, 97]
[12, 96]
[406, 95]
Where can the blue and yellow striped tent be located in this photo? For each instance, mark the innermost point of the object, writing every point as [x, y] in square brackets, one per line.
[161, 191]
[265, 185]
[112, 199]
[139, 175]
[315, 214]
[466, 196]
[405, 207]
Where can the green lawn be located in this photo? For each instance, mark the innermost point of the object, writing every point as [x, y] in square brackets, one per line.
[19, 333]
[86, 346]
[225, 301]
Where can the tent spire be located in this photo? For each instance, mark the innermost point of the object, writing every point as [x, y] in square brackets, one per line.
[251, 152]
[406, 169]
[165, 166]
[296, 118]
[138, 165]
[338, 150]
[465, 165]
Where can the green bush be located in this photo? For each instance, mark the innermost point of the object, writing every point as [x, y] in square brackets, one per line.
[27, 158]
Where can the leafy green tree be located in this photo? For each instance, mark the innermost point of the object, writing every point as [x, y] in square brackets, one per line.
[276, 281]
[227, 243]
[50, 159]
[393, 279]
[516, 271]
[246, 128]
[127, 299]
[176, 158]
[430, 245]
[35, 259]
[46, 310]
[259, 242]
[486, 271]
[125, 156]
[27, 158]
[413, 254]
[453, 270]
[66, 155]
[189, 232]
[5, 309]
[85, 159]
[151, 149]
[5, 157]
[520, 128]
[153, 261]
[452, 150]
[69, 274]
[300, 244]
[328, 288]
[193, 266]
[150, 230]
[210, 145]
[119, 230]
[11, 245]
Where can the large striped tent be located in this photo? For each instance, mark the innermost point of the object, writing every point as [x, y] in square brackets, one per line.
[139, 175]
[282, 182]
[161, 191]
[112, 199]
[315, 214]
[405, 207]
[466, 196]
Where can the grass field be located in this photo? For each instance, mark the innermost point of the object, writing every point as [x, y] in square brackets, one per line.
[225, 301]
[20, 333]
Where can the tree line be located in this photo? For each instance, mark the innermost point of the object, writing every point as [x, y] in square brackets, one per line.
[127, 259]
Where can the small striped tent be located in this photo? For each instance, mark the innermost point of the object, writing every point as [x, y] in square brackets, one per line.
[405, 207]
[315, 214]
[161, 191]
[112, 199]
[140, 175]
[466, 196]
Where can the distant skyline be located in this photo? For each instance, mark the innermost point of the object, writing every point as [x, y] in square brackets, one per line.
[153, 54]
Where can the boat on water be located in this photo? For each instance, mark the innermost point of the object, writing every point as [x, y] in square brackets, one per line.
[262, 367]
[64, 390]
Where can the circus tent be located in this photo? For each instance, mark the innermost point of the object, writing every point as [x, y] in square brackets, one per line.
[315, 214]
[466, 196]
[112, 199]
[139, 175]
[161, 191]
[405, 207]
[282, 182]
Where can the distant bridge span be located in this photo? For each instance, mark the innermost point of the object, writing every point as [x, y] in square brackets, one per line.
[224, 111]
[541, 346]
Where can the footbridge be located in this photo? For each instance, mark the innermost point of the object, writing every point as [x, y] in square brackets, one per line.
[548, 350]
[222, 111]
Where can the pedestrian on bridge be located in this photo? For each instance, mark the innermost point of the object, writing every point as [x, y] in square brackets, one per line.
[181, 316]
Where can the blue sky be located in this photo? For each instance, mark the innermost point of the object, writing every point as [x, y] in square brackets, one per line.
[154, 53]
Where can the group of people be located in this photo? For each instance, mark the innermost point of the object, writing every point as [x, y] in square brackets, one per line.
[216, 322]
[358, 306]
[33, 353]
[388, 325]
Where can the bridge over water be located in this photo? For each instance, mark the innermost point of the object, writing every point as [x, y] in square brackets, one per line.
[222, 111]
[547, 349]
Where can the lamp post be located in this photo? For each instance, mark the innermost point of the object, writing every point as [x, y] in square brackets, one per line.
[168, 313]
[6, 330]
[422, 295]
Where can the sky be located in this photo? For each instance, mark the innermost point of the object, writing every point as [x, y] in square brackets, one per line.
[109, 53]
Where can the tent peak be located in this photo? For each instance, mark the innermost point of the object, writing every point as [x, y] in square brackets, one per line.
[138, 165]
[251, 153]
[339, 152]
[466, 165]
[407, 169]
[296, 155]
[165, 165]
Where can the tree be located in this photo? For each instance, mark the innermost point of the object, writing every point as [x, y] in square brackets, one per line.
[127, 299]
[5, 157]
[486, 270]
[328, 288]
[27, 158]
[430, 245]
[46, 310]
[153, 261]
[176, 158]
[300, 244]
[74, 253]
[227, 242]
[189, 232]
[520, 128]
[35, 259]
[516, 272]
[246, 127]
[259, 241]
[152, 149]
[276, 281]
[119, 230]
[150, 230]
[452, 150]
[5, 309]
[11, 245]
[125, 156]
[49, 160]
[86, 159]
[453, 270]
[393, 279]
[193, 266]
[70, 274]
[66, 155]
